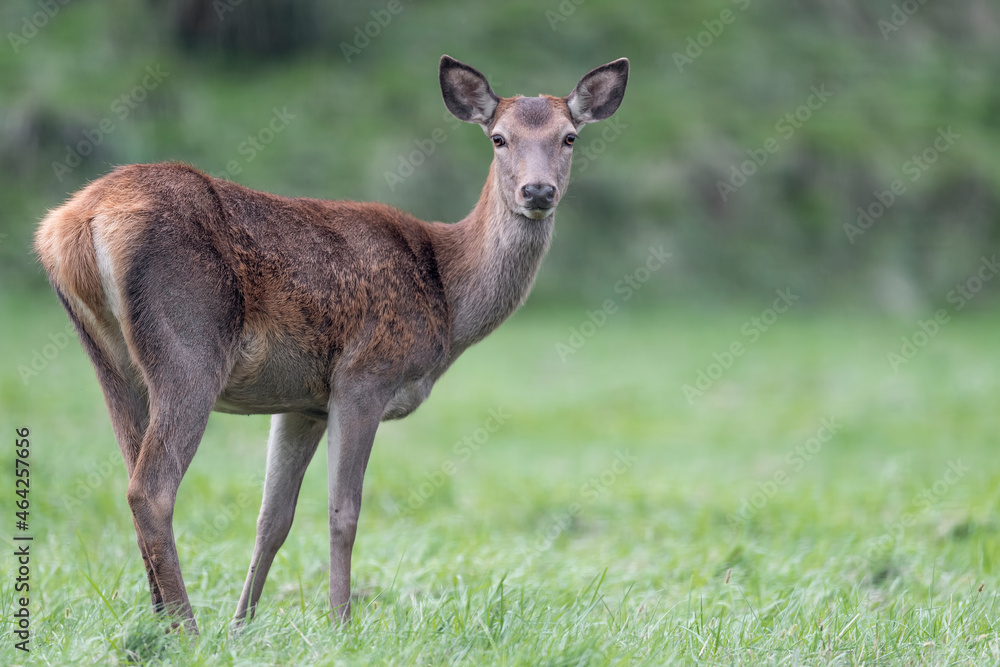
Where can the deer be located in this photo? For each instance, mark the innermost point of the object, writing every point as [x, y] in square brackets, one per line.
[193, 294]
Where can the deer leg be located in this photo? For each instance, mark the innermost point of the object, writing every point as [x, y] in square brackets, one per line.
[129, 410]
[128, 407]
[290, 448]
[176, 426]
[353, 421]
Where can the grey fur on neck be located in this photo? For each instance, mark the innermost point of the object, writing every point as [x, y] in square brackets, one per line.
[489, 263]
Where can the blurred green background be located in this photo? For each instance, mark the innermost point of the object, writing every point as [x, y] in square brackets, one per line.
[711, 83]
[750, 135]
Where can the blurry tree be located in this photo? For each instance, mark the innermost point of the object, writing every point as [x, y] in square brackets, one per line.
[685, 162]
[247, 28]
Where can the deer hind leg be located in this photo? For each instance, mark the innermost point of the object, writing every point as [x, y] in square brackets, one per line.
[181, 399]
[127, 402]
[181, 336]
[128, 406]
[290, 448]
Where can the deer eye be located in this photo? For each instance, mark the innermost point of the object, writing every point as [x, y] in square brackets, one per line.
[570, 138]
[498, 141]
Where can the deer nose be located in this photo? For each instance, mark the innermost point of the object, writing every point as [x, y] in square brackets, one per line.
[538, 195]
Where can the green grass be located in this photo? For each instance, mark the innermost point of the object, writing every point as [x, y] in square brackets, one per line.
[653, 568]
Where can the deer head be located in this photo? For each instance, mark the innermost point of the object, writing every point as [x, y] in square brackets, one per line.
[532, 136]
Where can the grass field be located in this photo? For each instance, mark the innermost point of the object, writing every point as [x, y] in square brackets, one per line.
[812, 506]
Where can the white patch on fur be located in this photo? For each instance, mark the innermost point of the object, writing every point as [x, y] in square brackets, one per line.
[537, 213]
[110, 336]
[485, 102]
[106, 270]
[578, 102]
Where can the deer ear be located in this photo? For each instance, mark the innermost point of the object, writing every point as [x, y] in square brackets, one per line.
[466, 92]
[599, 92]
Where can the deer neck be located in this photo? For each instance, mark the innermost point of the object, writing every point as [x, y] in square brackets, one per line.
[488, 263]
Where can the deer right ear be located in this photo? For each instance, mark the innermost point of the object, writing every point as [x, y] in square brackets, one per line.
[466, 92]
[599, 92]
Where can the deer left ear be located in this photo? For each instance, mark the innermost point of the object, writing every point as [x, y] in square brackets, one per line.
[599, 93]
[466, 92]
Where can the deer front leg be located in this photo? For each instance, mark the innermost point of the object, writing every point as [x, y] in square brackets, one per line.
[290, 448]
[351, 433]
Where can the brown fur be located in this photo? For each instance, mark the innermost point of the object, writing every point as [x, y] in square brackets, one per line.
[192, 293]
